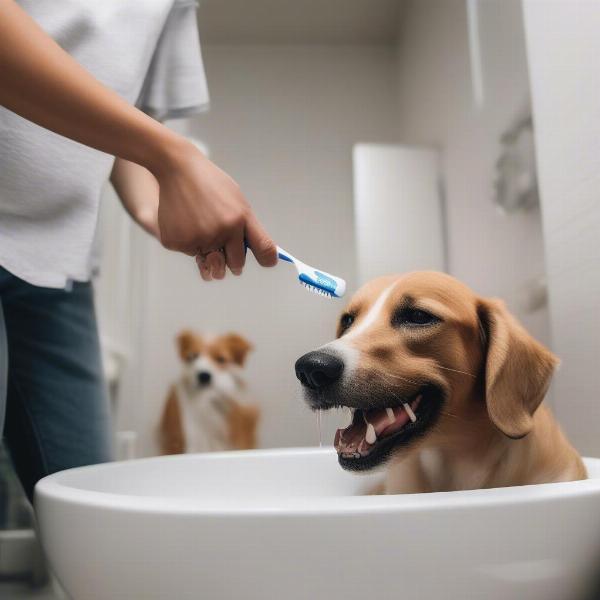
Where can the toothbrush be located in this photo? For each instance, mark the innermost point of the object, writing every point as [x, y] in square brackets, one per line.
[316, 281]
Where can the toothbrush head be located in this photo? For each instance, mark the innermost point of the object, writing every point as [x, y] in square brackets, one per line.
[318, 282]
[323, 284]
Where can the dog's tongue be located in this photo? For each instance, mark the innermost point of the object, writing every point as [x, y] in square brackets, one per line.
[391, 425]
[353, 439]
[381, 419]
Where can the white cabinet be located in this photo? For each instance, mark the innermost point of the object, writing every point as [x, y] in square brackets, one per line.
[398, 210]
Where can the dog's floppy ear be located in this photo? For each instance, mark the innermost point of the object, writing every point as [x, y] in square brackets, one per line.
[238, 346]
[189, 345]
[518, 370]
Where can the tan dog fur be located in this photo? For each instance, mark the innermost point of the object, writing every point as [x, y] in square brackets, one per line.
[492, 431]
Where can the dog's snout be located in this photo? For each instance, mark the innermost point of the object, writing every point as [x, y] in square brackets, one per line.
[318, 369]
[203, 377]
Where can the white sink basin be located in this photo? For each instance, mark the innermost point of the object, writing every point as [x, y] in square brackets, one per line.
[289, 525]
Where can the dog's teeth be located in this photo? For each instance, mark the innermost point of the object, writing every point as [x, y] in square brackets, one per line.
[391, 415]
[409, 411]
[350, 416]
[370, 436]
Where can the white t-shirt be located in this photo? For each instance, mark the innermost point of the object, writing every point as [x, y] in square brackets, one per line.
[147, 51]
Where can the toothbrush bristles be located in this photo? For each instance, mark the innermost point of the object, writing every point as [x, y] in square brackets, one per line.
[316, 290]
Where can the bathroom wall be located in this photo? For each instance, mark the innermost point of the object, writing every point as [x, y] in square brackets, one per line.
[498, 255]
[283, 122]
[563, 49]
[397, 206]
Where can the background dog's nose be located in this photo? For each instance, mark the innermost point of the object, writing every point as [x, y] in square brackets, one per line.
[318, 369]
[204, 377]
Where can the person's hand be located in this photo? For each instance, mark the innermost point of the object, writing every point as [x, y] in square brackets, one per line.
[203, 213]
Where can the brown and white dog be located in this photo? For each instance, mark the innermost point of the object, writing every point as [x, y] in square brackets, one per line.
[204, 410]
[444, 385]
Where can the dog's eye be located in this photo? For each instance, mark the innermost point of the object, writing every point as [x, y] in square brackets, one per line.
[346, 320]
[191, 357]
[414, 317]
[220, 359]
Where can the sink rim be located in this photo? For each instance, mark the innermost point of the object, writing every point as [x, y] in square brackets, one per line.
[54, 488]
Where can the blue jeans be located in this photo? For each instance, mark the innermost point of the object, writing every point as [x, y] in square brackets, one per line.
[52, 390]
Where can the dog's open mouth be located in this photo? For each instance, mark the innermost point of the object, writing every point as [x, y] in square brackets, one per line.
[374, 433]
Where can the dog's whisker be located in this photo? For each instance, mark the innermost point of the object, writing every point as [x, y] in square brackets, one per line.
[452, 416]
[440, 366]
[393, 376]
[449, 414]
[458, 371]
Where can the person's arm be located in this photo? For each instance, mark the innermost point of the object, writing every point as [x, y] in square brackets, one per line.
[200, 208]
[138, 191]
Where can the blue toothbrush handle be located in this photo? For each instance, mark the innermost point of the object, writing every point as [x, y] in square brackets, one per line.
[283, 255]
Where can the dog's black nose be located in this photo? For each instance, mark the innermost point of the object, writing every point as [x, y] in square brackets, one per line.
[204, 377]
[318, 369]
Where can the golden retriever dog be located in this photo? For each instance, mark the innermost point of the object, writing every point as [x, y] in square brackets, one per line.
[206, 409]
[442, 385]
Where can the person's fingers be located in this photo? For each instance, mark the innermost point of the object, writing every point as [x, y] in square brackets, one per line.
[235, 254]
[215, 261]
[259, 241]
[220, 269]
[204, 273]
[203, 268]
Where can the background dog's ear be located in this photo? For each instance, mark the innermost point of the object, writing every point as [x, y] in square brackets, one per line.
[189, 345]
[518, 370]
[238, 346]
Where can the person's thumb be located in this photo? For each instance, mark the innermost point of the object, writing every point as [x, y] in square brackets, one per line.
[261, 244]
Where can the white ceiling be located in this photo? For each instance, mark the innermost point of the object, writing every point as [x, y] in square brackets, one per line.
[299, 21]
